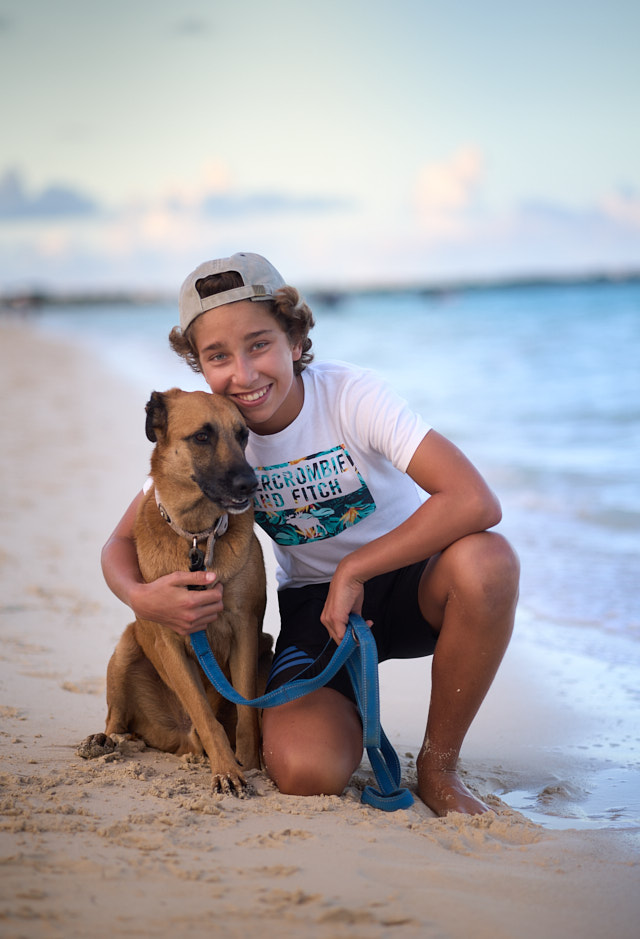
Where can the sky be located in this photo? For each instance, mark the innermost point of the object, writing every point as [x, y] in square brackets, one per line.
[353, 142]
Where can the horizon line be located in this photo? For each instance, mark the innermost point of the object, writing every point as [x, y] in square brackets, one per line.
[31, 297]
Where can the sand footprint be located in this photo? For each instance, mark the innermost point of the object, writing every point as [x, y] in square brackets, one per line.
[277, 839]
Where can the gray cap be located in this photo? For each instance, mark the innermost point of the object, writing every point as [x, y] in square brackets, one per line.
[260, 282]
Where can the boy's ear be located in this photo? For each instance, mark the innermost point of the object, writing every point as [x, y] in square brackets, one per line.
[157, 416]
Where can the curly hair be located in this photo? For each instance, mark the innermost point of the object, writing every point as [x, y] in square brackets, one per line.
[291, 313]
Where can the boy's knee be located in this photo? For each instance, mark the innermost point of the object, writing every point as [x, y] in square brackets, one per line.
[295, 774]
[488, 566]
[501, 560]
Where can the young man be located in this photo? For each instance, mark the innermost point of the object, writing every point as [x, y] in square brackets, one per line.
[344, 470]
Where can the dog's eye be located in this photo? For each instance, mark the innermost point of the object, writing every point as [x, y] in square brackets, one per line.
[201, 437]
[242, 435]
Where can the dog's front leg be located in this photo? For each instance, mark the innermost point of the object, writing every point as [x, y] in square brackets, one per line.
[243, 665]
[180, 672]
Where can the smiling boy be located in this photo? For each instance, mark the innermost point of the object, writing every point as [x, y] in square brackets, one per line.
[370, 511]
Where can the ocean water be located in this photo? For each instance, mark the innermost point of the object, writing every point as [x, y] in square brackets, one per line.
[540, 386]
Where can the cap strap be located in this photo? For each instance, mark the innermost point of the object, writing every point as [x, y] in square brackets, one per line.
[248, 292]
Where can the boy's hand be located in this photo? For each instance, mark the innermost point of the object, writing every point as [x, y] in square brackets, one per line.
[167, 601]
[345, 596]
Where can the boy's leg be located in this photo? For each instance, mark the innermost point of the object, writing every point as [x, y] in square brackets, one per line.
[313, 745]
[468, 594]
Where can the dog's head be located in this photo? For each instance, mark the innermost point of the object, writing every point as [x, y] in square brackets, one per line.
[200, 441]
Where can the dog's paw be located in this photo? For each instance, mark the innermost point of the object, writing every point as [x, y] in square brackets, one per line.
[128, 744]
[96, 745]
[230, 784]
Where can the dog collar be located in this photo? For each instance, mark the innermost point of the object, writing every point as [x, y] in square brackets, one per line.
[209, 534]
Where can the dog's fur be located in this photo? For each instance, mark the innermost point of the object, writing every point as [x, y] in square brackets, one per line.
[156, 689]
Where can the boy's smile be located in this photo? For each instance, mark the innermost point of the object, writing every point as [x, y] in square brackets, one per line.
[246, 356]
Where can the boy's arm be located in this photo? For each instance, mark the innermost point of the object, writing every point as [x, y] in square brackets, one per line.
[460, 504]
[164, 601]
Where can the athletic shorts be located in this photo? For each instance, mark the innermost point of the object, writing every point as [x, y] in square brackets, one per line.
[304, 646]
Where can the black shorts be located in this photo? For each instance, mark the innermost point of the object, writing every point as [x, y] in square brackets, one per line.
[304, 646]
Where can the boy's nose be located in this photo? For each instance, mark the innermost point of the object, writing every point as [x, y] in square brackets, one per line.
[245, 371]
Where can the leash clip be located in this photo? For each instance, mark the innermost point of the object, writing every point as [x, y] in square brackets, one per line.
[196, 557]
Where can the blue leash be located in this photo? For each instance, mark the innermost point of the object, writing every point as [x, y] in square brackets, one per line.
[358, 652]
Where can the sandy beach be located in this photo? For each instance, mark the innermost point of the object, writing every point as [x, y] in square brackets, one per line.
[135, 843]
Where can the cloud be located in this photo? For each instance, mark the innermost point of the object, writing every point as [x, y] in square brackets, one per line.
[55, 201]
[210, 198]
[213, 193]
[320, 239]
[268, 202]
[622, 206]
[214, 176]
[612, 215]
[445, 189]
[153, 242]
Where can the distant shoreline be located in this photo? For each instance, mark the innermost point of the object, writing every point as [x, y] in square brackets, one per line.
[29, 300]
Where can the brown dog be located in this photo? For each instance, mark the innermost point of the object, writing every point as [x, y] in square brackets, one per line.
[155, 686]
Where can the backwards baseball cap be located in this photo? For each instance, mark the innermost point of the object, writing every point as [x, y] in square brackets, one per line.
[259, 278]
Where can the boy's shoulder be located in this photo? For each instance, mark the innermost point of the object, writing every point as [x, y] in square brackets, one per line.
[334, 376]
[337, 370]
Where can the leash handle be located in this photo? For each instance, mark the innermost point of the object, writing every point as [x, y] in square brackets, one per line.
[362, 667]
[359, 653]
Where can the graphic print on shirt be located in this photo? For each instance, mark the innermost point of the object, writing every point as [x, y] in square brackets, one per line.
[312, 498]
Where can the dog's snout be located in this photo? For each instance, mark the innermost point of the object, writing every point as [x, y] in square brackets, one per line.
[224, 478]
[243, 483]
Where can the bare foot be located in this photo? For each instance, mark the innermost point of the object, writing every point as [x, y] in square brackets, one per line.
[443, 791]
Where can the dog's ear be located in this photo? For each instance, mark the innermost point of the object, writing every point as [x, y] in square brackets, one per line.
[156, 409]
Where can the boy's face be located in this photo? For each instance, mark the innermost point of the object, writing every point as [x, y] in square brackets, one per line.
[245, 355]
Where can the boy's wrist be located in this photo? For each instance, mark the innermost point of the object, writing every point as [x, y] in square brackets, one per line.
[348, 569]
[133, 593]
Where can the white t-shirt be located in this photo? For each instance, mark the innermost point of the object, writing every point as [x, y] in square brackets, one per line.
[335, 478]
